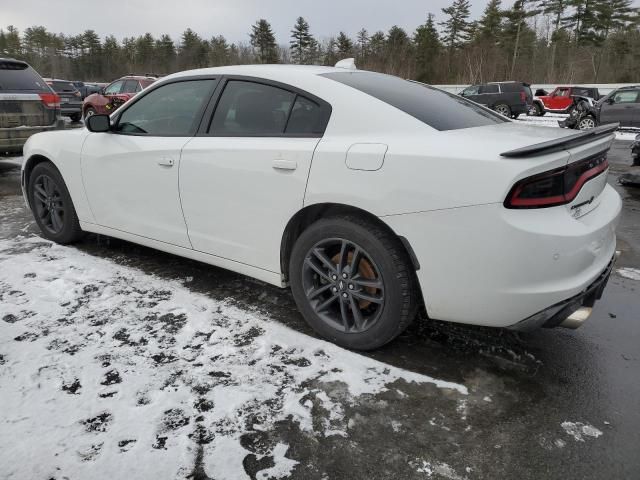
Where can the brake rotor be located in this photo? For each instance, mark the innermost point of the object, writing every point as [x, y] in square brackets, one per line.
[365, 270]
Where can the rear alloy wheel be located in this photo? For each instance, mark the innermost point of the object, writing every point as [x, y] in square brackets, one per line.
[586, 123]
[89, 112]
[503, 109]
[535, 110]
[52, 206]
[352, 282]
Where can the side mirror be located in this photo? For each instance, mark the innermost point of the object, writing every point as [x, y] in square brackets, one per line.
[98, 123]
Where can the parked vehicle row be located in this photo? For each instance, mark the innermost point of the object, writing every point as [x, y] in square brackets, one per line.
[109, 98]
[619, 106]
[345, 185]
[560, 99]
[28, 105]
[510, 99]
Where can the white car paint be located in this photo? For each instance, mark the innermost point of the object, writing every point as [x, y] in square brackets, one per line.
[227, 200]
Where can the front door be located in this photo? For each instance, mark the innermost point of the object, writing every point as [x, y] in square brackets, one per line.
[131, 173]
[244, 180]
[620, 107]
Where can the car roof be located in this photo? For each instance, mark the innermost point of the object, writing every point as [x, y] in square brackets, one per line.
[262, 70]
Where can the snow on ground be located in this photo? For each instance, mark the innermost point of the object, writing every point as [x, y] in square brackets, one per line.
[579, 430]
[551, 120]
[108, 372]
[631, 273]
[12, 160]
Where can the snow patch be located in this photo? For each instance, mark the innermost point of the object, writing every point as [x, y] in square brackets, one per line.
[631, 273]
[114, 373]
[441, 469]
[579, 430]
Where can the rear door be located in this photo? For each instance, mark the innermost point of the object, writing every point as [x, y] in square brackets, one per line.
[620, 107]
[244, 177]
[490, 94]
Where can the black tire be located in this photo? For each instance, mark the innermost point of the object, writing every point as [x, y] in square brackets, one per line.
[89, 111]
[392, 269]
[503, 109]
[75, 117]
[62, 227]
[515, 116]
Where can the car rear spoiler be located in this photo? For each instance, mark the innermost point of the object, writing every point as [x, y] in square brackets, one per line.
[580, 138]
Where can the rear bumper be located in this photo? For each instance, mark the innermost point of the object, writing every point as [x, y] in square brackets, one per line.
[13, 139]
[71, 109]
[554, 315]
[487, 265]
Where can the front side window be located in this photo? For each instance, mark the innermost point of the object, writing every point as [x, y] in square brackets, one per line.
[251, 109]
[625, 96]
[170, 110]
[564, 92]
[490, 88]
[472, 90]
[114, 88]
[438, 109]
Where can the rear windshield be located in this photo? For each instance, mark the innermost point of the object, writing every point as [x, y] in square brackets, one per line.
[62, 87]
[20, 76]
[436, 108]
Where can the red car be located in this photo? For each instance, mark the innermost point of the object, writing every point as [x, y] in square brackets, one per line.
[115, 94]
[560, 101]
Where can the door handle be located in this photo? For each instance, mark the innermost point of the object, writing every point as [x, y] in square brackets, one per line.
[166, 162]
[280, 164]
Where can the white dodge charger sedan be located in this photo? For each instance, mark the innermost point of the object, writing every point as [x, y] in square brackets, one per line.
[371, 196]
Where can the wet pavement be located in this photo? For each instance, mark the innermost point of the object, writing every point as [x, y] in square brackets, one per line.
[547, 404]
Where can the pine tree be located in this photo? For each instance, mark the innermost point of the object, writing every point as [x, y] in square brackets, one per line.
[302, 43]
[220, 53]
[456, 27]
[264, 41]
[490, 24]
[165, 53]
[344, 46]
[516, 24]
[363, 45]
[427, 42]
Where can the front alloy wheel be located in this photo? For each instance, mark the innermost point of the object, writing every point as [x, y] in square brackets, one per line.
[48, 204]
[586, 123]
[51, 204]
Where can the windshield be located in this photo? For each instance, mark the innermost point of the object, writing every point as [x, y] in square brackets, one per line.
[436, 108]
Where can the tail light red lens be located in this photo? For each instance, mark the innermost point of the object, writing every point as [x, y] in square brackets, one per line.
[523, 97]
[555, 187]
[51, 100]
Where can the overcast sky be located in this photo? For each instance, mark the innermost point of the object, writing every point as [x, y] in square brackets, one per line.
[231, 18]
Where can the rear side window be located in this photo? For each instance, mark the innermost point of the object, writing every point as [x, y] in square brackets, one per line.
[251, 109]
[436, 108]
[307, 117]
[170, 110]
[20, 76]
[63, 87]
[490, 88]
[130, 86]
[510, 87]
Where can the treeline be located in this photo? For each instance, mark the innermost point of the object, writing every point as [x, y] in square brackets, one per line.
[543, 41]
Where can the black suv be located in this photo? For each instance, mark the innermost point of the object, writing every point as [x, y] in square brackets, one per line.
[70, 98]
[27, 105]
[507, 98]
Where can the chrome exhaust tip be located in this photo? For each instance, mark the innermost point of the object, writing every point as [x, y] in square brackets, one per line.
[577, 318]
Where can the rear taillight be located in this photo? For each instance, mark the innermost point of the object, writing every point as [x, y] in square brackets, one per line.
[555, 187]
[523, 97]
[51, 100]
